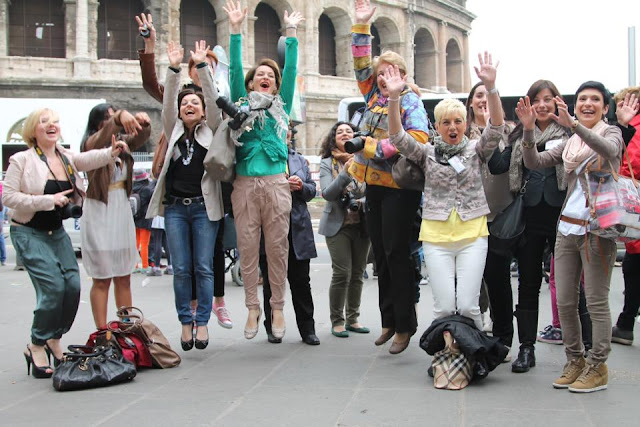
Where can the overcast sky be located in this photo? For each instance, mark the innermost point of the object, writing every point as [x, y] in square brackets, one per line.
[565, 41]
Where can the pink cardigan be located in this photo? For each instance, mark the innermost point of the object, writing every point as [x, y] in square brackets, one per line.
[27, 176]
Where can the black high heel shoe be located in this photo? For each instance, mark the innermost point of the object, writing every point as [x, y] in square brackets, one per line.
[38, 371]
[202, 344]
[187, 345]
[56, 361]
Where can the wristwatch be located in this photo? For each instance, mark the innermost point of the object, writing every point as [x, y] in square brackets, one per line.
[574, 125]
[528, 144]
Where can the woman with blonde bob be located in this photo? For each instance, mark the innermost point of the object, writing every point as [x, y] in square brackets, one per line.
[40, 185]
[454, 225]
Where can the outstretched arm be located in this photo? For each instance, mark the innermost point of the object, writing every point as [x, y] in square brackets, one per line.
[236, 16]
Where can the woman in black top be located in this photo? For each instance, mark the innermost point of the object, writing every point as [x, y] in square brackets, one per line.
[545, 191]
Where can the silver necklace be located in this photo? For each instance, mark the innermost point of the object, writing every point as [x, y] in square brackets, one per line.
[186, 161]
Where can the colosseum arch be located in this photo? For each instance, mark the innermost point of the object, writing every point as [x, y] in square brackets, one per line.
[389, 35]
[268, 27]
[425, 59]
[339, 43]
[197, 22]
[455, 74]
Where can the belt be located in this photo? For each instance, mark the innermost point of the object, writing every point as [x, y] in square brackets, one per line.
[117, 185]
[574, 221]
[186, 201]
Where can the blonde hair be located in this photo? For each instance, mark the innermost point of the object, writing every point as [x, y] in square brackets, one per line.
[32, 121]
[448, 107]
[632, 90]
[394, 58]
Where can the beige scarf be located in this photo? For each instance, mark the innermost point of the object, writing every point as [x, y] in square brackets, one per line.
[577, 151]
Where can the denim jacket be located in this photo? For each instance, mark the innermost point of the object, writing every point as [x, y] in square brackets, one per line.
[444, 188]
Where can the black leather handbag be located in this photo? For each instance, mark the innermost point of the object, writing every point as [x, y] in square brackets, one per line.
[508, 226]
[90, 367]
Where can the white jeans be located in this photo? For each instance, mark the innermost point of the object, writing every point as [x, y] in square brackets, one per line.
[465, 261]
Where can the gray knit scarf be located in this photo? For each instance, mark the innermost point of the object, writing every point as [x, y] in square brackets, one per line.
[448, 151]
[259, 104]
[553, 131]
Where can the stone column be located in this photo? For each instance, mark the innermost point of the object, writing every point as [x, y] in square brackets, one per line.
[70, 28]
[92, 32]
[81, 60]
[4, 27]
[344, 60]
[466, 65]
[441, 82]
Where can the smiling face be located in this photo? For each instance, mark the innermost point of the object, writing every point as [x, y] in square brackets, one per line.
[344, 132]
[191, 111]
[264, 80]
[544, 105]
[479, 103]
[590, 107]
[48, 129]
[451, 128]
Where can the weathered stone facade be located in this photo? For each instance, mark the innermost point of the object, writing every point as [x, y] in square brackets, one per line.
[431, 34]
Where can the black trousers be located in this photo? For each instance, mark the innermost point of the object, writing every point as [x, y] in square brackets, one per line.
[631, 273]
[530, 268]
[300, 285]
[389, 214]
[497, 276]
[158, 241]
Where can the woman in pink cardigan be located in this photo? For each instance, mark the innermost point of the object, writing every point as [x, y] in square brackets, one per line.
[42, 187]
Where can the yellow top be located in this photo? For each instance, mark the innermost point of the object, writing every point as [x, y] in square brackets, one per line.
[453, 229]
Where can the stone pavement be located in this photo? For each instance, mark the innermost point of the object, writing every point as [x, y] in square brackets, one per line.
[342, 382]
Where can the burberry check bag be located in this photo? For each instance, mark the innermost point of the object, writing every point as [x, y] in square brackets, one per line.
[451, 368]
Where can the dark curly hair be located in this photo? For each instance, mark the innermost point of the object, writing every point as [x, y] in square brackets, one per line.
[329, 141]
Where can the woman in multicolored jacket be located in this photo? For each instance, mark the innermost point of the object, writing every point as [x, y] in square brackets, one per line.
[390, 209]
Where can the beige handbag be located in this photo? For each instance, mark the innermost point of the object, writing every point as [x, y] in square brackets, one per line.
[220, 161]
[451, 368]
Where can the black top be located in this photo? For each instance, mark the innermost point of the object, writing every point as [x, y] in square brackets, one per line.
[186, 180]
[49, 220]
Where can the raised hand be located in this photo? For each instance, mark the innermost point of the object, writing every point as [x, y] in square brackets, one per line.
[487, 71]
[142, 118]
[129, 123]
[118, 147]
[364, 11]
[200, 54]
[394, 80]
[145, 21]
[294, 19]
[175, 52]
[526, 113]
[60, 199]
[236, 15]
[627, 109]
[563, 118]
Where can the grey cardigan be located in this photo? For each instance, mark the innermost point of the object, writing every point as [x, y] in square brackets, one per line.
[332, 189]
[609, 146]
[445, 189]
[174, 129]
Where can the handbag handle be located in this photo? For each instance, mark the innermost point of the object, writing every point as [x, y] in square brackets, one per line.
[82, 351]
[132, 313]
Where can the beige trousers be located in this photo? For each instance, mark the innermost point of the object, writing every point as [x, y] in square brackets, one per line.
[262, 203]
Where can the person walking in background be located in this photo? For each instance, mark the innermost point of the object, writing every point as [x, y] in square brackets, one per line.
[42, 187]
[629, 122]
[261, 192]
[344, 227]
[107, 230]
[158, 243]
[576, 249]
[389, 209]
[143, 189]
[301, 249]
[3, 247]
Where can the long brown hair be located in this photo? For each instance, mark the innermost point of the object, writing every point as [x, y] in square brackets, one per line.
[329, 141]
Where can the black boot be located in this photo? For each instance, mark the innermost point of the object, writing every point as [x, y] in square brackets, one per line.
[527, 327]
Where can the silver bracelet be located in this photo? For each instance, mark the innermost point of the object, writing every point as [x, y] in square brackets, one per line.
[292, 26]
[393, 99]
[492, 91]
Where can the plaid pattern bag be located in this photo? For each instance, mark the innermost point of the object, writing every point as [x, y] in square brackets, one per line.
[451, 368]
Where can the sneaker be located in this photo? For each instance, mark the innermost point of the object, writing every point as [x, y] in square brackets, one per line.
[550, 335]
[572, 370]
[169, 271]
[621, 336]
[222, 314]
[154, 271]
[593, 378]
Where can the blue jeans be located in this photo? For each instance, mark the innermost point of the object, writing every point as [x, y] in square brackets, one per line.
[191, 237]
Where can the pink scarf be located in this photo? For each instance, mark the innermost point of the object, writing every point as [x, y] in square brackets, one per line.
[576, 150]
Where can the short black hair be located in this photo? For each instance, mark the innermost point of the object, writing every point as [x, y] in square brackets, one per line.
[591, 84]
